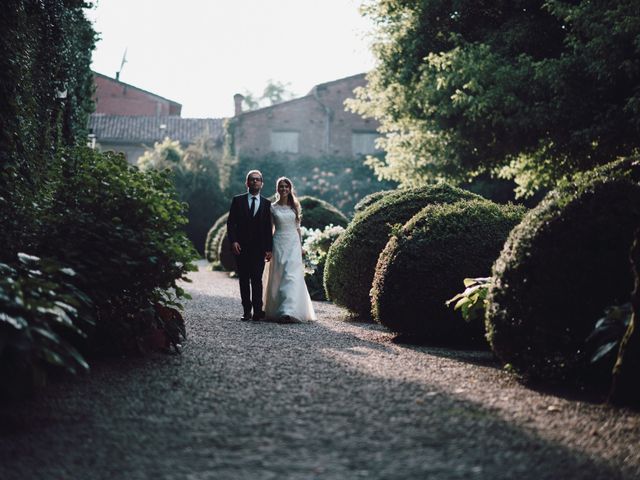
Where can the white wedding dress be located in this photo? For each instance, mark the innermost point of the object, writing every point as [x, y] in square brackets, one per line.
[285, 293]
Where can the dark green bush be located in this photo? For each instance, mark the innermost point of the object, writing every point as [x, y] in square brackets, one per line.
[424, 262]
[560, 268]
[352, 259]
[121, 231]
[211, 247]
[317, 213]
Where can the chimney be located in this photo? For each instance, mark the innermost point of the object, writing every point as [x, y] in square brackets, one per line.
[238, 99]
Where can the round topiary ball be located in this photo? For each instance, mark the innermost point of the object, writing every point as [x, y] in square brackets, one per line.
[210, 251]
[424, 263]
[560, 268]
[317, 213]
[370, 200]
[352, 258]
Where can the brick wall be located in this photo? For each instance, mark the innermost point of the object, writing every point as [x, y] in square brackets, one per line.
[323, 126]
[116, 98]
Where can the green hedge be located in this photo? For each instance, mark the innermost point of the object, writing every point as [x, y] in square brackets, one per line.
[424, 263]
[560, 268]
[46, 55]
[351, 260]
[317, 213]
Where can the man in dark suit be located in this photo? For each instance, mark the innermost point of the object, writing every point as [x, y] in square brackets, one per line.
[249, 231]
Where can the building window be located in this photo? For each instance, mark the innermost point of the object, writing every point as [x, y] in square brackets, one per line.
[284, 142]
[364, 143]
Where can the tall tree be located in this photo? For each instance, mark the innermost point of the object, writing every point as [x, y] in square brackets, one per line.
[532, 90]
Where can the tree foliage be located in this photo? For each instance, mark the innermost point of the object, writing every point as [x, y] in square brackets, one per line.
[532, 90]
[195, 174]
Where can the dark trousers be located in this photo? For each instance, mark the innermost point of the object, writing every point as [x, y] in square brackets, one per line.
[250, 268]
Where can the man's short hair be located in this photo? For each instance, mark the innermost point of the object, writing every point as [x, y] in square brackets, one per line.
[253, 172]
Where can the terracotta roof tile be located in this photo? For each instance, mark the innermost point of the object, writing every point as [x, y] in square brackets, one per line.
[147, 129]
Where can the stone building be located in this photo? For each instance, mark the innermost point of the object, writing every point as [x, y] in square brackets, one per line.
[314, 125]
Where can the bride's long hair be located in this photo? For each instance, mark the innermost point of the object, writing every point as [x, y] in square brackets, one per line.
[292, 200]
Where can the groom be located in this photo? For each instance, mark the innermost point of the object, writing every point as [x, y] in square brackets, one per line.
[249, 231]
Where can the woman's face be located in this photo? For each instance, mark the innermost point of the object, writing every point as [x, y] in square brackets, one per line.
[283, 189]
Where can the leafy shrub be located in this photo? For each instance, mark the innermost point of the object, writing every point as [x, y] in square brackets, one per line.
[42, 313]
[559, 269]
[352, 259]
[421, 266]
[316, 244]
[211, 248]
[317, 213]
[120, 230]
[472, 302]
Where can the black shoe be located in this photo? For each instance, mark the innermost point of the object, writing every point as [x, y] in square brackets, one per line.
[246, 316]
[258, 316]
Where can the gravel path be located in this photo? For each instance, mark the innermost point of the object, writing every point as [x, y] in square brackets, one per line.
[325, 400]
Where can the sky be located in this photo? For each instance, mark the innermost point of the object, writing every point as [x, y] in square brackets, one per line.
[201, 52]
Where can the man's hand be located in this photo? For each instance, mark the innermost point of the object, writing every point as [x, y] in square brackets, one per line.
[235, 248]
[268, 256]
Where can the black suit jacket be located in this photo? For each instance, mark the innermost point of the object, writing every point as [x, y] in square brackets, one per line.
[238, 228]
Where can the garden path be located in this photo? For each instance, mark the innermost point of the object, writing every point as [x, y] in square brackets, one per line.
[326, 400]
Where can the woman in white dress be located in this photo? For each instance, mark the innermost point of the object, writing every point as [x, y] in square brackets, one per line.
[286, 295]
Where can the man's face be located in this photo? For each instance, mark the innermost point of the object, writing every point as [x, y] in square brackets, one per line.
[254, 183]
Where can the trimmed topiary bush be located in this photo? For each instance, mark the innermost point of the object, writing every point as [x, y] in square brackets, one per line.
[370, 200]
[210, 250]
[560, 268]
[425, 261]
[317, 213]
[352, 258]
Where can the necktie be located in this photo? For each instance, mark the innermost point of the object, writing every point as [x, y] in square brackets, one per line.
[252, 210]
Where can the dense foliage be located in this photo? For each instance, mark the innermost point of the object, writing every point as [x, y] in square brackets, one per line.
[421, 267]
[528, 89]
[560, 268]
[194, 172]
[351, 261]
[45, 98]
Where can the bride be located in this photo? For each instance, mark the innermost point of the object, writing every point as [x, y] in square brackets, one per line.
[286, 296]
